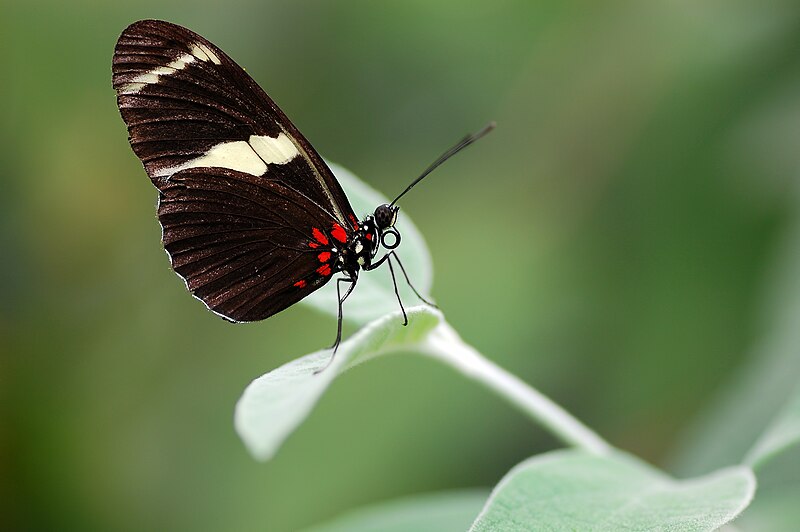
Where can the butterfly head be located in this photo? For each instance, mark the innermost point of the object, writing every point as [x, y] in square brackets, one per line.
[385, 216]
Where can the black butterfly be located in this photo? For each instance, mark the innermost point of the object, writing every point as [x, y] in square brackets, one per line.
[253, 219]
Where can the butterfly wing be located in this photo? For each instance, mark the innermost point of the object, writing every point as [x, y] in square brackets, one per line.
[188, 105]
[247, 206]
[247, 247]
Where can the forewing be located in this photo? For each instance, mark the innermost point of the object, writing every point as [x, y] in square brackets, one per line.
[247, 247]
[188, 105]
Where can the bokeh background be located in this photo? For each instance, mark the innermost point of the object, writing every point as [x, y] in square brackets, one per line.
[623, 242]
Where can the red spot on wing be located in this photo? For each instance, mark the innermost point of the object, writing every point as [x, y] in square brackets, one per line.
[339, 233]
[325, 269]
[313, 245]
[301, 283]
[324, 256]
[319, 236]
[353, 221]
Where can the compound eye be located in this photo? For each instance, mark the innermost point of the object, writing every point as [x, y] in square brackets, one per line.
[394, 238]
[385, 216]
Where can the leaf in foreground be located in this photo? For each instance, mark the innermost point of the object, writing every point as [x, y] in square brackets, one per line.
[437, 512]
[573, 490]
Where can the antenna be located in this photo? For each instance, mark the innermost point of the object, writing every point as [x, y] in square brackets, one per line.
[463, 143]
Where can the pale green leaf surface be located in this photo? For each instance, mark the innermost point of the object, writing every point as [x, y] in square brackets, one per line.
[574, 490]
[273, 405]
[436, 512]
[374, 296]
[783, 434]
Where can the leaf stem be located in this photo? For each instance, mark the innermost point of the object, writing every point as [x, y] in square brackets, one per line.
[445, 344]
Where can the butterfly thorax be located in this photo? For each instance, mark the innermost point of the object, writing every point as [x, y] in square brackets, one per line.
[371, 233]
[360, 249]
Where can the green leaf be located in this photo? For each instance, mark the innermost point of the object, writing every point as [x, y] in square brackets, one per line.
[436, 512]
[274, 404]
[374, 296]
[574, 490]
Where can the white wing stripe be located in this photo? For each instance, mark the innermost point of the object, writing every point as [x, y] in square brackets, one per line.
[278, 150]
[152, 76]
[204, 53]
[199, 53]
[249, 156]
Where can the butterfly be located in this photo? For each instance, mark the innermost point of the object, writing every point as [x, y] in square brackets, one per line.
[252, 218]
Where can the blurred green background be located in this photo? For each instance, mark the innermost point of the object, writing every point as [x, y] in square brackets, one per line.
[610, 243]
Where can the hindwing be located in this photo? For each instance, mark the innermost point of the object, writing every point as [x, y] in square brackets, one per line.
[245, 246]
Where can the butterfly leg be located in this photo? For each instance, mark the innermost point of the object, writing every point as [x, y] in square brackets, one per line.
[408, 281]
[387, 258]
[341, 299]
[396, 292]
